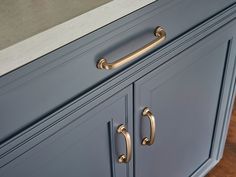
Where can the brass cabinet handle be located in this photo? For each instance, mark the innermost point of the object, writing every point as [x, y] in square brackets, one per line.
[147, 113]
[159, 33]
[125, 158]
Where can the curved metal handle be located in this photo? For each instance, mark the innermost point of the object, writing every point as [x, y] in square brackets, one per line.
[125, 158]
[159, 33]
[147, 113]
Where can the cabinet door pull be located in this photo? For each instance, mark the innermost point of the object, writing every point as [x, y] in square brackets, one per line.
[159, 33]
[125, 158]
[147, 113]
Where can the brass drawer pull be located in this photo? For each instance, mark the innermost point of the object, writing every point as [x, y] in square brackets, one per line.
[125, 158]
[147, 113]
[159, 33]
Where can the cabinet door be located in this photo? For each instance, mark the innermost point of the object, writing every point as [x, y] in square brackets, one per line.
[183, 96]
[87, 147]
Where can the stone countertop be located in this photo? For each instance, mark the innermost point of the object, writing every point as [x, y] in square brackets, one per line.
[30, 29]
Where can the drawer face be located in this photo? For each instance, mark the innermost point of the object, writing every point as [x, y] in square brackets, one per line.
[183, 95]
[58, 77]
[89, 146]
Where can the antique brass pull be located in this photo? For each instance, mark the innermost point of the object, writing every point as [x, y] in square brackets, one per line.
[159, 33]
[125, 158]
[147, 113]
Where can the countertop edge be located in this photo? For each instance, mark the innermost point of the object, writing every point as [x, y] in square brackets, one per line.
[40, 44]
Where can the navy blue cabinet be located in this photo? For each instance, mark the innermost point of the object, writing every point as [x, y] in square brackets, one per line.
[54, 79]
[89, 146]
[165, 113]
[184, 96]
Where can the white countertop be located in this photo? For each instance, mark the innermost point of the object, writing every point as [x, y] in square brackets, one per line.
[30, 29]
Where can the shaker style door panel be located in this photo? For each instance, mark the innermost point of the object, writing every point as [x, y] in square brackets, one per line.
[88, 147]
[182, 97]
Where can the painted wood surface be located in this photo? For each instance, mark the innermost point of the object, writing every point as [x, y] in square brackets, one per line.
[33, 134]
[58, 77]
[183, 95]
[200, 63]
[227, 166]
[89, 146]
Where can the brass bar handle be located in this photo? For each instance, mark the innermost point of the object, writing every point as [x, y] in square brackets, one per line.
[159, 33]
[147, 113]
[125, 158]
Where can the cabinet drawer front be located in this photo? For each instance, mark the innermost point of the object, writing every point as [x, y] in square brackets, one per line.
[183, 95]
[89, 146]
[35, 90]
